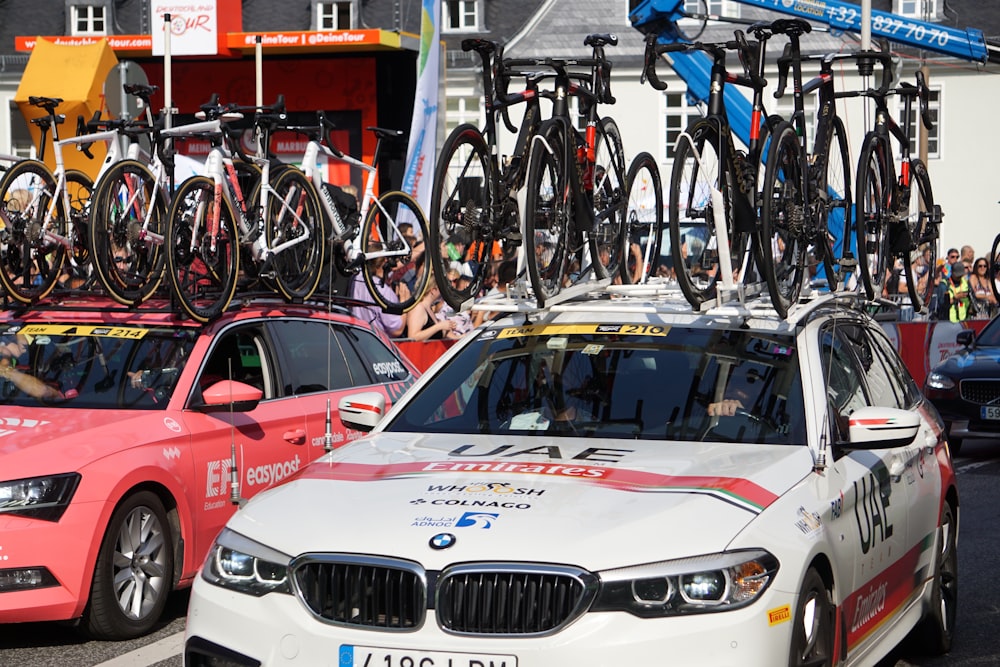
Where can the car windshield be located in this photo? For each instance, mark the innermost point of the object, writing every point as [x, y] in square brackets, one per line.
[616, 381]
[990, 336]
[91, 366]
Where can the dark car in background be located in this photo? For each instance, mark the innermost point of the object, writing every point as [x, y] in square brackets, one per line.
[965, 388]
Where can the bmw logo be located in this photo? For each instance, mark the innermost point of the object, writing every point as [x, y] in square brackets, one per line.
[442, 541]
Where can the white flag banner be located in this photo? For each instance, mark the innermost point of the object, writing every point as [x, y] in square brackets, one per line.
[421, 153]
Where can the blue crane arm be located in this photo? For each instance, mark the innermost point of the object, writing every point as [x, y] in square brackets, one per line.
[968, 44]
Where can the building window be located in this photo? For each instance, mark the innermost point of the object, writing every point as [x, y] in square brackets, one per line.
[334, 15]
[915, 128]
[917, 9]
[463, 106]
[460, 15]
[88, 20]
[678, 114]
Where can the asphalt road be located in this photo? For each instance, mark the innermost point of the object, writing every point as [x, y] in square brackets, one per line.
[49, 645]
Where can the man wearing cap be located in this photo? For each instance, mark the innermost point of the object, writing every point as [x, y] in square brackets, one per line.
[959, 300]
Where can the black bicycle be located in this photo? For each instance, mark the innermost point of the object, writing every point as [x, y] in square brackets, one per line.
[576, 190]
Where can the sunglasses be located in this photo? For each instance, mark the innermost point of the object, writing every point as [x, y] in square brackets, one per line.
[981, 266]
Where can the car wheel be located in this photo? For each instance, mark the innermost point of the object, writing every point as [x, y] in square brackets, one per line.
[812, 634]
[134, 571]
[934, 633]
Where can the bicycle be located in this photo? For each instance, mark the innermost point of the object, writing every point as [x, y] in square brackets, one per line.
[576, 199]
[891, 221]
[210, 218]
[45, 212]
[380, 236]
[712, 184]
[644, 217]
[474, 196]
[806, 192]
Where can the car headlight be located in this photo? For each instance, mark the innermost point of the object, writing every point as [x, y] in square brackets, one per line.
[939, 381]
[39, 497]
[240, 564]
[715, 582]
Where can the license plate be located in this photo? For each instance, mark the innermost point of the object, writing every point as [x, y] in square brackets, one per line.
[991, 412]
[371, 656]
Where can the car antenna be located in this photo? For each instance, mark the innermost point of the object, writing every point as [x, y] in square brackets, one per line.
[234, 471]
[328, 435]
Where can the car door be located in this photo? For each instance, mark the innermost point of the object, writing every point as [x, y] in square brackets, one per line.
[322, 361]
[870, 512]
[266, 444]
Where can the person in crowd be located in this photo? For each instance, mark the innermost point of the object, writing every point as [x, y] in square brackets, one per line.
[968, 258]
[959, 299]
[423, 323]
[393, 325]
[982, 291]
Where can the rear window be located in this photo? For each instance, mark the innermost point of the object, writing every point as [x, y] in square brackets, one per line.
[616, 381]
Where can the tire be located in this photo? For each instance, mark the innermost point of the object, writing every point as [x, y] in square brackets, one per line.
[814, 623]
[403, 264]
[643, 219]
[690, 206]
[836, 206]
[298, 268]
[934, 634]
[781, 233]
[461, 209]
[203, 271]
[546, 215]
[29, 266]
[922, 223]
[609, 243]
[875, 181]
[134, 573]
[128, 262]
[79, 190]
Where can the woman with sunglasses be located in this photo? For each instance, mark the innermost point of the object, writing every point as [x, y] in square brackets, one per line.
[982, 293]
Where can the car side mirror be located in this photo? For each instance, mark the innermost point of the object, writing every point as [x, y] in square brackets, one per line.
[882, 428]
[965, 338]
[229, 395]
[362, 411]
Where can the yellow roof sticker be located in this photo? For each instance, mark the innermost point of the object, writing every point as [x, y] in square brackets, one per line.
[607, 329]
[101, 330]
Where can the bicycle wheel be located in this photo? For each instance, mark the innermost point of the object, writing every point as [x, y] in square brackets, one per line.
[608, 243]
[203, 263]
[781, 240]
[79, 188]
[547, 211]
[922, 222]
[126, 232]
[461, 212]
[644, 219]
[405, 272]
[835, 204]
[875, 178]
[994, 267]
[31, 263]
[295, 218]
[694, 246]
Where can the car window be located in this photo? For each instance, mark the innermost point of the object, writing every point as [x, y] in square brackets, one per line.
[377, 361]
[906, 388]
[596, 381]
[844, 388]
[92, 366]
[882, 390]
[241, 355]
[313, 357]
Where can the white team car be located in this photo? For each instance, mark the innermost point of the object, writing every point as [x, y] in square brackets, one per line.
[612, 481]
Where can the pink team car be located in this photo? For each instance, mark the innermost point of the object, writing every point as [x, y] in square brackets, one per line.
[128, 439]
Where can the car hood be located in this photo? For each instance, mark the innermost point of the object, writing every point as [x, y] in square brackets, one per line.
[980, 362]
[594, 503]
[37, 440]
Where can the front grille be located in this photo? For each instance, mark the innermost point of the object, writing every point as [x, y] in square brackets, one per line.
[980, 392]
[511, 600]
[362, 590]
